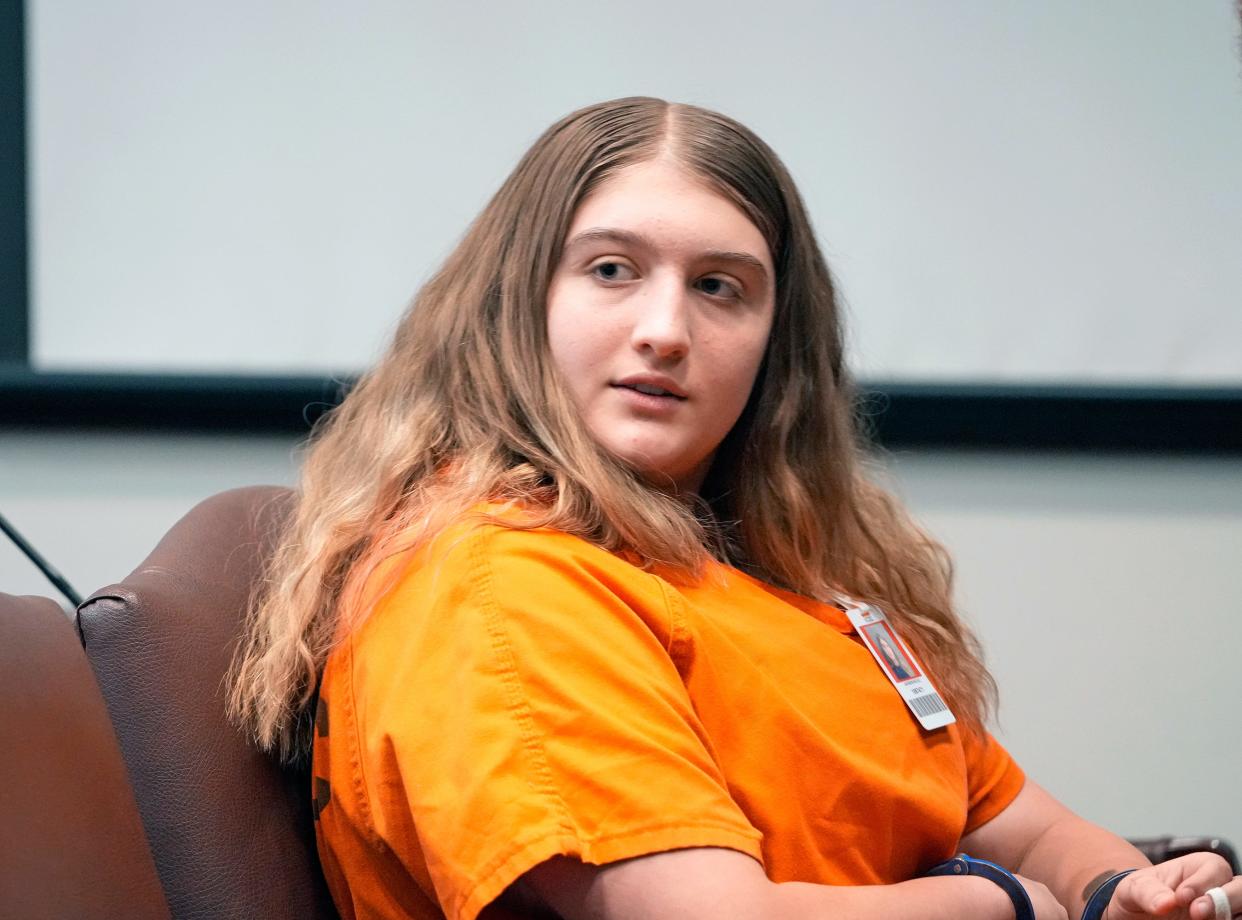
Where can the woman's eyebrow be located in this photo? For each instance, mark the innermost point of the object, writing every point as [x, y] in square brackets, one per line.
[630, 238]
[742, 259]
[608, 235]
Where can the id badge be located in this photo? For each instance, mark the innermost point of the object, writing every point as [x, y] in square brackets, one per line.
[898, 664]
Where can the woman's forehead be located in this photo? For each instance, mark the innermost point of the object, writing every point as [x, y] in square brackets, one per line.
[659, 203]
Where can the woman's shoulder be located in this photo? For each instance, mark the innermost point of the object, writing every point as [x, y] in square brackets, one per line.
[507, 534]
[484, 583]
[498, 554]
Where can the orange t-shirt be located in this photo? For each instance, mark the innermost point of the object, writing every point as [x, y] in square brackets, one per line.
[516, 695]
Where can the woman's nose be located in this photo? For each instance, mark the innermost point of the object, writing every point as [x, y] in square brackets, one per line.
[662, 323]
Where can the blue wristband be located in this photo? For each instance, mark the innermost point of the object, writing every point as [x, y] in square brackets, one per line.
[968, 865]
[1098, 902]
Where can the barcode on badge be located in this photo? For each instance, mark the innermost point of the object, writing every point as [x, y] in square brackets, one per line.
[927, 705]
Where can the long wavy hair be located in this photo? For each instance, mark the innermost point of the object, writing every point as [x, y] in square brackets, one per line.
[465, 407]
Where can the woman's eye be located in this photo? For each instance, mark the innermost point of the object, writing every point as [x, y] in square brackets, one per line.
[612, 271]
[718, 287]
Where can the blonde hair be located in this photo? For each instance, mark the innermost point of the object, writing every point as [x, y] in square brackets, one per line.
[465, 407]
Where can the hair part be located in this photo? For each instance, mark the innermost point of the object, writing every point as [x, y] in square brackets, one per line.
[466, 407]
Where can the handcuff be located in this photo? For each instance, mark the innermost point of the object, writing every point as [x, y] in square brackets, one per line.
[1098, 902]
[968, 865]
[1023, 909]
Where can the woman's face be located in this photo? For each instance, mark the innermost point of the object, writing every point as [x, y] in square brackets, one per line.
[658, 318]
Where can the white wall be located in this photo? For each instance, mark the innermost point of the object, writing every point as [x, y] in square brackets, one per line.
[1108, 592]
[95, 504]
[1008, 190]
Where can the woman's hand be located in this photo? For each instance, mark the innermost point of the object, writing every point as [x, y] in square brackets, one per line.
[1047, 907]
[1175, 890]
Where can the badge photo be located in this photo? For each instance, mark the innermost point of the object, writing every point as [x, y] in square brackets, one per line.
[892, 654]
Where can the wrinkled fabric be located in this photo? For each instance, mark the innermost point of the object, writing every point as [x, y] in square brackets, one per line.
[516, 695]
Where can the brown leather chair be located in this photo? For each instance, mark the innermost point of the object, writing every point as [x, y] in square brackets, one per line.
[1159, 849]
[230, 829]
[71, 842]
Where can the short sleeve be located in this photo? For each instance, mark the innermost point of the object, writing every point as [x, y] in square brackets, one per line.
[993, 777]
[517, 699]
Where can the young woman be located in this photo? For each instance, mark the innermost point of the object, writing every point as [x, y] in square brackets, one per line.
[576, 575]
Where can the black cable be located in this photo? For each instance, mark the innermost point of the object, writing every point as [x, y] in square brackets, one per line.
[32, 554]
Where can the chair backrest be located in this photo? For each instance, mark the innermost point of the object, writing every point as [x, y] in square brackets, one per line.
[1160, 849]
[230, 829]
[71, 842]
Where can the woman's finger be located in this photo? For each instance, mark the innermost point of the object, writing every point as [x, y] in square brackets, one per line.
[1192, 875]
[1204, 908]
[1209, 870]
[1145, 892]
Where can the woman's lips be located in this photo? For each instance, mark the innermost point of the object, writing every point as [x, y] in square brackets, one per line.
[650, 402]
[652, 385]
[648, 389]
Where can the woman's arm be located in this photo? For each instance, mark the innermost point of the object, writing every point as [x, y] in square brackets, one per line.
[710, 883]
[1059, 857]
[1039, 838]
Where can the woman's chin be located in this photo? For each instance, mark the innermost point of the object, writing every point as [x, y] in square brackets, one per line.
[675, 479]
